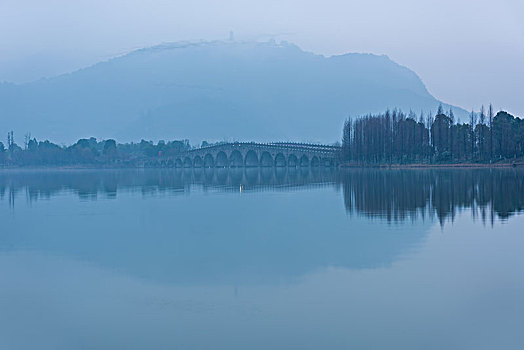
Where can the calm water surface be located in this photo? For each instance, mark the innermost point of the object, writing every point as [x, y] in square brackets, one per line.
[262, 259]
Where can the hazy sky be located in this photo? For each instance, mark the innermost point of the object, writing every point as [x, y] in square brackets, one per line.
[467, 52]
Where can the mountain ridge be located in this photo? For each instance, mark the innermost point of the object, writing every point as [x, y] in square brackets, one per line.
[214, 91]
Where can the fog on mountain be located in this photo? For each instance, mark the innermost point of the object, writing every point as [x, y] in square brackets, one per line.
[213, 91]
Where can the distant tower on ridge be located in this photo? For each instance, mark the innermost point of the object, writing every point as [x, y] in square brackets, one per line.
[231, 36]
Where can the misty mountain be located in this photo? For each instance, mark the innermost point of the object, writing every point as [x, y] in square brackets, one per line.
[213, 91]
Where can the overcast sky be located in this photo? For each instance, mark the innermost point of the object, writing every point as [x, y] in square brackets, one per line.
[468, 52]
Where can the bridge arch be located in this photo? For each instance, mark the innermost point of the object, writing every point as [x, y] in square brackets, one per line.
[209, 161]
[266, 174]
[209, 174]
[280, 175]
[178, 163]
[197, 174]
[327, 162]
[221, 176]
[304, 161]
[236, 176]
[251, 175]
[251, 159]
[292, 161]
[280, 160]
[266, 160]
[188, 163]
[315, 161]
[198, 162]
[152, 164]
[221, 160]
[235, 159]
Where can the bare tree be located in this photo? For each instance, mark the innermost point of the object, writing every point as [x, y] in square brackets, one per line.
[27, 138]
[481, 137]
[440, 110]
[482, 116]
[346, 140]
[472, 122]
[10, 140]
[490, 116]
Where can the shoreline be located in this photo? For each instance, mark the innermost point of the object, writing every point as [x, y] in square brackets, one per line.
[438, 166]
[341, 167]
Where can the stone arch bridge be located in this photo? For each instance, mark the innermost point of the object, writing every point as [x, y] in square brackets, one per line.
[251, 154]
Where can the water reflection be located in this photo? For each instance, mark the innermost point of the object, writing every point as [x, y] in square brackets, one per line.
[400, 194]
[250, 259]
[394, 195]
[91, 183]
[175, 227]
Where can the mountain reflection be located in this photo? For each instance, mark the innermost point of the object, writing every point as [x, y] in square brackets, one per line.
[394, 195]
[174, 227]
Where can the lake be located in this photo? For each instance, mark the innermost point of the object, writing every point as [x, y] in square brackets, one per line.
[262, 259]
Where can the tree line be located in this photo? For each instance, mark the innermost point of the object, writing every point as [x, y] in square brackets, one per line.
[84, 152]
[394, 137]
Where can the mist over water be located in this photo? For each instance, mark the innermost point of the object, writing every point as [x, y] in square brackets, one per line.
[261, 258]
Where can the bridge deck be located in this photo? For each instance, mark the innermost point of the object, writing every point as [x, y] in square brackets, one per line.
[295, 146]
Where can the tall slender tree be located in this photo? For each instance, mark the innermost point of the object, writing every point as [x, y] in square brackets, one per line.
[346, 140]
[480, 133]
[472, 122]
[490, 116]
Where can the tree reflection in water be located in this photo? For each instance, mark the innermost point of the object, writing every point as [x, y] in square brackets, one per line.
[395, 195]
[400, 194]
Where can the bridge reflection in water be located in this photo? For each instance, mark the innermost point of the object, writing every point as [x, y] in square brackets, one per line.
[394, 195]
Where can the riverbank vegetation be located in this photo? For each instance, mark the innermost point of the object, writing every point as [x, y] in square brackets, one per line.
[85, 152]
[397, 138]
[392, 138]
